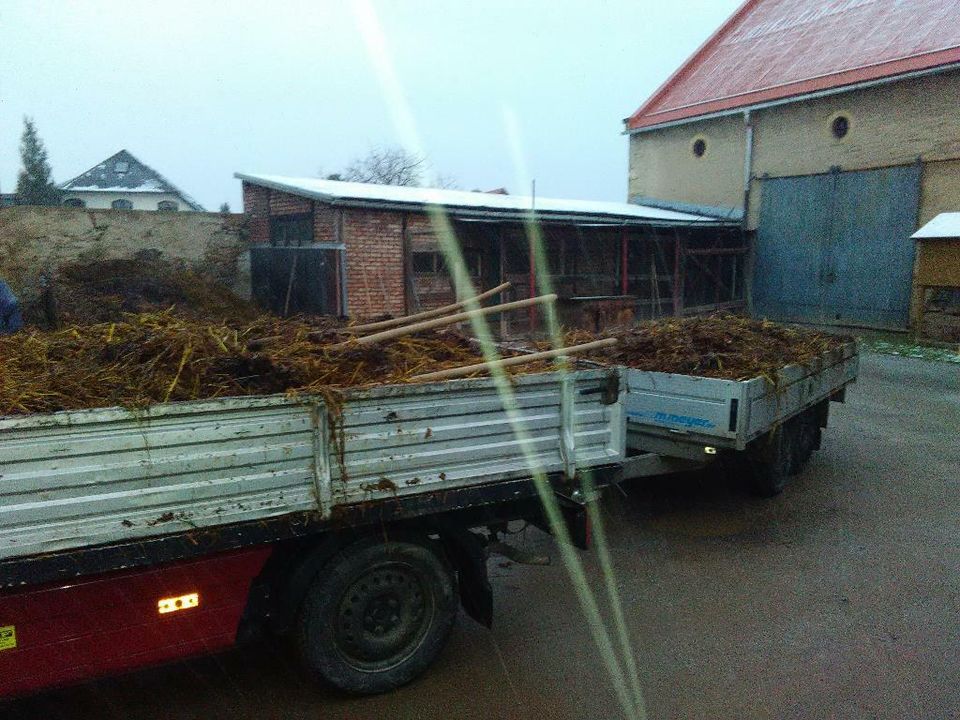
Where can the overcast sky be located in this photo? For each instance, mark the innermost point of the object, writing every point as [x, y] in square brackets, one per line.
[199, 90]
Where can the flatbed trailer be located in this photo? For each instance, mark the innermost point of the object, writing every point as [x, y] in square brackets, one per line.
[767, 426]
[134, 537]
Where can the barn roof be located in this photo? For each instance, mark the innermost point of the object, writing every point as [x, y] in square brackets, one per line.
[475, 205]
[771, 50]
[123, 173]
[944, 225]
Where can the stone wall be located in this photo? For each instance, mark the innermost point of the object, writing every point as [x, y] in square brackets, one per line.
[34, 240]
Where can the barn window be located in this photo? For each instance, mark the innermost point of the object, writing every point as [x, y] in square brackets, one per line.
[291, 230]
[167, 206]
[434, 263]
[121, 205]
[424, 262]
[699, 147]
[74, 202]
[840, 126]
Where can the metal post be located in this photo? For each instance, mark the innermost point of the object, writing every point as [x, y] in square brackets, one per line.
[568, 437]
[532, 253]
[504, 327]
[677, 277]
[624, 280]
[342, 253]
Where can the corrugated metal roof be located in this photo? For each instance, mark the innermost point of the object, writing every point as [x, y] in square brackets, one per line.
[471, 204]
[123, 173]
[775, 49]
[944, 225]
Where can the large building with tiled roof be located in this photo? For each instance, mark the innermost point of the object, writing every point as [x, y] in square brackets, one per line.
[831, 127]
[122, 182]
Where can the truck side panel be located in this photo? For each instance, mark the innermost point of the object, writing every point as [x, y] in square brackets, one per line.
[63, 633]
[100, 477]
[86, 478]
[414, 439]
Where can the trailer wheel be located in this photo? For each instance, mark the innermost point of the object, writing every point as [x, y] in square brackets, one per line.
[770, 460]
[377, 615]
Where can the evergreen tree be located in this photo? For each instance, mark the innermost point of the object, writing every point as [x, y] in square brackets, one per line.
[35, 182]
[225, 208]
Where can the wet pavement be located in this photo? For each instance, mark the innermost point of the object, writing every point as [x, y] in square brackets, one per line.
[840, 598]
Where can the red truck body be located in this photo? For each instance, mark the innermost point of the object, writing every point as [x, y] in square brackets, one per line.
[67, 632]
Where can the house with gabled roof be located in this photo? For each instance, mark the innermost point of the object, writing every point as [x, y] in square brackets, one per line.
[122, 182]
[830, 127]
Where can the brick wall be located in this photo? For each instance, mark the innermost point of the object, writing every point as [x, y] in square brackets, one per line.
[375, 267]
[281, 203]
[373, 241]
[325, 221]
[256, 205]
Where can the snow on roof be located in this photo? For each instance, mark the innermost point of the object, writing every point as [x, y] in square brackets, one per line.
[122, 172]
[775, 49]
[464, 203]
[944, 225]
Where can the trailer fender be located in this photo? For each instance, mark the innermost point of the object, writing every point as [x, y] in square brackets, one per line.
[467, 552]
[289, 573]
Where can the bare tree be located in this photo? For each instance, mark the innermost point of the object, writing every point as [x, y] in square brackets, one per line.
[386, 166]
[447, 182]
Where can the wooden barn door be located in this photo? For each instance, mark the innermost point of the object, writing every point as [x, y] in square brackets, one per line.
[835, 248]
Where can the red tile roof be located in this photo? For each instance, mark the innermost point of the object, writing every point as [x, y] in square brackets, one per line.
[773, 49]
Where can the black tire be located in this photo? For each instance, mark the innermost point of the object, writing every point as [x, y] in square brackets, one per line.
[770, 460]
[377, 615]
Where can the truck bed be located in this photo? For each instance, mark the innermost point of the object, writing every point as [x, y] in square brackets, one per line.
[668, 413]
[88, 478]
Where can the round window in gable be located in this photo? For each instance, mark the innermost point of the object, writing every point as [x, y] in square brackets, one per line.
[840, 126]
[699, 147]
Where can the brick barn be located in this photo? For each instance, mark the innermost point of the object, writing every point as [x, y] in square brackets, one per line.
[363, 251]
[832, 126]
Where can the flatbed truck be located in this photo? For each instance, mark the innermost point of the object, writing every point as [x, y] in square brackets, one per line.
[350, 524]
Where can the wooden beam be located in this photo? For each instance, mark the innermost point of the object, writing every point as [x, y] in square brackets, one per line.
[442, 321]
[511, 361]
[406, 319]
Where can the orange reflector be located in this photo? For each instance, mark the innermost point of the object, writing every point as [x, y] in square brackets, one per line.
[173, 604]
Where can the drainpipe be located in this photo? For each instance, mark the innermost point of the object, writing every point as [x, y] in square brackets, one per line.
[747, 164]
[744, 223]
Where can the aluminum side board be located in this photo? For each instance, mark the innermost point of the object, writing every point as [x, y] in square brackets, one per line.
[686, 410]
[88, 478]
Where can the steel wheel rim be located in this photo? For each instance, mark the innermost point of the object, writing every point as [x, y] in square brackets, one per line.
[383, 617]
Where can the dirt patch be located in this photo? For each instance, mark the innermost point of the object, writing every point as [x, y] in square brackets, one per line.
[109, 290]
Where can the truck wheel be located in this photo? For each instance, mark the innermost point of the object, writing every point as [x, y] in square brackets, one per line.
[770, 459]
[376, 615]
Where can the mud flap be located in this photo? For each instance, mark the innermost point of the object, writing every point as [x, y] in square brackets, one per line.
[466, 551]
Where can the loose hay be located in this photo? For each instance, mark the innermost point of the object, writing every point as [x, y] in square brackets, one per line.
[716, 346]
[159, 357]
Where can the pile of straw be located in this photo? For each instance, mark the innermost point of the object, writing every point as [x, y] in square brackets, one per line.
[160, 357]
[99, 291]
[717, 346]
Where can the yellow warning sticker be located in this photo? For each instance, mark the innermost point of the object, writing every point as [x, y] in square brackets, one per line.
[8, 637]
